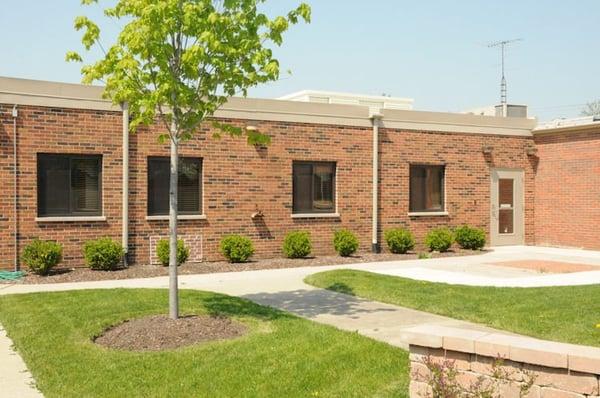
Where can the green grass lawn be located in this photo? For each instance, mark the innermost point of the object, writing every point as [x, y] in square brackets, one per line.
[282, 356]
[567, 314]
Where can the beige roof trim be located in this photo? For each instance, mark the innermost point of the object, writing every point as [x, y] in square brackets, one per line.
[78, 96]
[590, 127]
[457, 123]
[53, 94]
[295, 112]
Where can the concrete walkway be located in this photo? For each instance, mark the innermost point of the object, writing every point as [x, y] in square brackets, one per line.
[15, 379]
[285, 289]
[481, 270]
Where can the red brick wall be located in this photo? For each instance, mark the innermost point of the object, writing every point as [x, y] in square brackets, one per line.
[568, 189]
[62, 131]
[467, 177]
[6, 179]
[238, 178]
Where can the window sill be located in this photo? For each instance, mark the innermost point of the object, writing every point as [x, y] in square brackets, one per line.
[428, 214]
[71, 219]
[316, 215]
[180, 217]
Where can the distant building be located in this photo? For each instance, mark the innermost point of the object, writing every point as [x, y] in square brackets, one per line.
[375, 102]
[512, 110]
[570, 122]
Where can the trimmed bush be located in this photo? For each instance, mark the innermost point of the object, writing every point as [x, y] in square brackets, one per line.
[399, 240]
[469, 238]
[162, 252]
[297, 244]
[40, 256]
[103, 254]
[236, 248]
[439, 240]
[345, 242]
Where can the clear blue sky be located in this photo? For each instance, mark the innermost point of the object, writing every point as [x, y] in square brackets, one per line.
[430, 50]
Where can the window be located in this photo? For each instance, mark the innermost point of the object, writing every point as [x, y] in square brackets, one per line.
[189, 186]
[314, 187]
[69, 185]
[426, 188]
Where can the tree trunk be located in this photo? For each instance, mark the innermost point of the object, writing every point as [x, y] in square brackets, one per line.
[173, 293]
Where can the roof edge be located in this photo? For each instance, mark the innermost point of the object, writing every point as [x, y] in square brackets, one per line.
[78, 96]
[593, 127]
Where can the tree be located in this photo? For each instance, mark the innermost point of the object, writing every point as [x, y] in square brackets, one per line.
[176, 62]
[591, 109]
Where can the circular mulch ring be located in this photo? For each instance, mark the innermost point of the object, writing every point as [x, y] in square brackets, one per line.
[159, 332]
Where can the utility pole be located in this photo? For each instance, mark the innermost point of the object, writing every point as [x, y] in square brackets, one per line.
[503, 86]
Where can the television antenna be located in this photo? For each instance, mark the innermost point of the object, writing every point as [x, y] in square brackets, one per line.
[502, 44]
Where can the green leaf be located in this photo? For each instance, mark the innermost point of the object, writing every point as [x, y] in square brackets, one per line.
[180, 60]
[73, 56]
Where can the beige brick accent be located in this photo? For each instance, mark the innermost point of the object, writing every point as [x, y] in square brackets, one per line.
[193, 242]
[418, 353]
[583, 383]
[420, 390]
[485, 365]
[461, 360]
[522, 374]
[419, 372]
[547, 392]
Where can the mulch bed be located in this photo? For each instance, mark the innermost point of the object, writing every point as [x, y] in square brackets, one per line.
[159, 332]
[65, 275]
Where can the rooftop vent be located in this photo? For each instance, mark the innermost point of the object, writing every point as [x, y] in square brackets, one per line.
[512, 110]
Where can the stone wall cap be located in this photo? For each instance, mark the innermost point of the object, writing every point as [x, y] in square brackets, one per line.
[514, 347]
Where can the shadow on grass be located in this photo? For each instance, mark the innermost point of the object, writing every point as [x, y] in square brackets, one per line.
[341, 288]
[233, 306]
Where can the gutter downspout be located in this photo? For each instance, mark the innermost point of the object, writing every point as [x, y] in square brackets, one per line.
[375, 120]
[125, 189]
[15, 115]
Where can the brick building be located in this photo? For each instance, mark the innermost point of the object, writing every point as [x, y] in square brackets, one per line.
[567, 185]
[432, 169]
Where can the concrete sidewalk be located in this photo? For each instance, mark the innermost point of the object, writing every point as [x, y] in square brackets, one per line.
[15, 379]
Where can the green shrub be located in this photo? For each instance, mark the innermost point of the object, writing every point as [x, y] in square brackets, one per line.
[345, 242]
[469, 238]
[439, 240]
[399, 240]
[297, 244]
[236, 248]
[103, 254]
[424, 256]
[162, 252]
[40, 256]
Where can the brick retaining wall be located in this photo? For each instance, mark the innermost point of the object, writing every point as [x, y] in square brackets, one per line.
[512, 366]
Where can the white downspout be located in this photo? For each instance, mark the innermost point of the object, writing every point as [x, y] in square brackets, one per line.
[375, 120]
[125, 199]
[15, 115]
